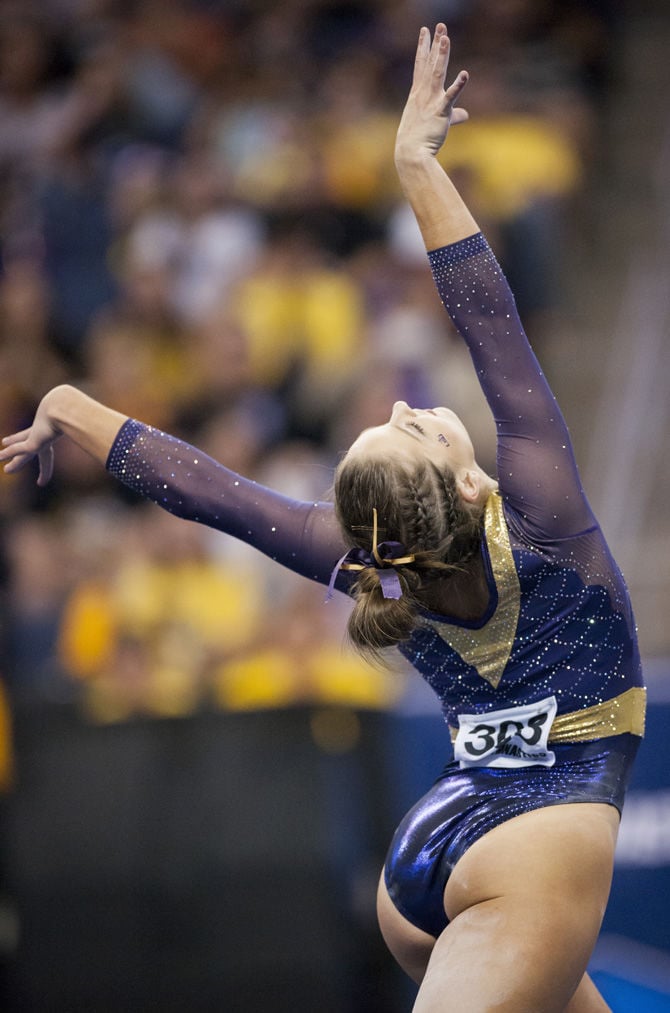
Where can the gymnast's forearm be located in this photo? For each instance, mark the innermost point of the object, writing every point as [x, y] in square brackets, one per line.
[440, 212]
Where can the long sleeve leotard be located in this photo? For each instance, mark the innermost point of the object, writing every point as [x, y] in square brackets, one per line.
[559, 619]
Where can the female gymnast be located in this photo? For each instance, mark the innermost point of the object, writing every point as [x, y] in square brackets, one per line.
[503, 595]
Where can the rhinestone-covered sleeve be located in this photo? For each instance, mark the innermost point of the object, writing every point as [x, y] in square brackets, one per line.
[537, 471]
[178, 477]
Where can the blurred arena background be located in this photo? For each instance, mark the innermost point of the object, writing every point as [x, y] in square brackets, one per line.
[201, 226]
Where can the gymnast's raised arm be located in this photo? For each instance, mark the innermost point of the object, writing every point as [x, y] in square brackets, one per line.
[537, 472]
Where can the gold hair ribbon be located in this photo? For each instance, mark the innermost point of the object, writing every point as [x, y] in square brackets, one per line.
[375, 548]
[392, 546]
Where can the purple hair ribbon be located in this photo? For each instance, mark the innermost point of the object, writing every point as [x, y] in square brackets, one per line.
[384, 557]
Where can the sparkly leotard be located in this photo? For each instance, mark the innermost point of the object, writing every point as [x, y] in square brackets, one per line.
[558, 627]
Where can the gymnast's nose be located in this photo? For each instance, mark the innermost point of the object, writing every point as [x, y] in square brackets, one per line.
[401, 410]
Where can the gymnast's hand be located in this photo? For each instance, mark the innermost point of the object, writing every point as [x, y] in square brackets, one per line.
[429, 111]
[36, 441]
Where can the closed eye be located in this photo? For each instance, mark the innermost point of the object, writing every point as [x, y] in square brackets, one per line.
[415, 425]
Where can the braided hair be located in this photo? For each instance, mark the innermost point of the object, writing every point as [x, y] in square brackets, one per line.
[421, 508]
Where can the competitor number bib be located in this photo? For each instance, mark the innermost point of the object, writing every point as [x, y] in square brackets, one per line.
[516, 737]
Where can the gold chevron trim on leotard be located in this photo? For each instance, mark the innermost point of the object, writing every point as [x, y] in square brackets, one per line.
[621, 714]
[488, 648]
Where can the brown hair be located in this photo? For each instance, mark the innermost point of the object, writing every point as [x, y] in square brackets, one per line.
[419, 507]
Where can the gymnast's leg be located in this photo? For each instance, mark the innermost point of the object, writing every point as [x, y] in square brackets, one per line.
[412, 949]
[587, 999]
[525, 905]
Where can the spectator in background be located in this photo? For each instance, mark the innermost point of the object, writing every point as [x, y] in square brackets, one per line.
[145, 636]
[40, 574]
[32, 111]
[303, 315]
[25, 351]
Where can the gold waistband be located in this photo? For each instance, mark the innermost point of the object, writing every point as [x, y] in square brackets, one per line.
[623, 713]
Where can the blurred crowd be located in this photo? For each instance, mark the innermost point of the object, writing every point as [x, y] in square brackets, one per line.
[201, 226]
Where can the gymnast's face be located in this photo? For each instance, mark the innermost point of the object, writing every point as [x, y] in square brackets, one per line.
[418, 434]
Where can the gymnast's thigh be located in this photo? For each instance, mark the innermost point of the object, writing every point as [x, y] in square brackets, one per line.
[525, 904]
[565, 852]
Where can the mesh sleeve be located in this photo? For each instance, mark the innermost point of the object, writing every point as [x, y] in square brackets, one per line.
[302, 536]
[537, 472]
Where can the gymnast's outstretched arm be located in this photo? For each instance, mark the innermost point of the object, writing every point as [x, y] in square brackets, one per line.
[304, 536]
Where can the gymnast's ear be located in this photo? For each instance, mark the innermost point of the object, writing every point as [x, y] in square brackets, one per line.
[468, 483]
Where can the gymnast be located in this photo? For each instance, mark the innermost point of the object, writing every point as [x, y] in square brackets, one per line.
[502, 594]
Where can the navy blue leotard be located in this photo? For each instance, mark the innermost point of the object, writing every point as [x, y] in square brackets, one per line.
[556, 649]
